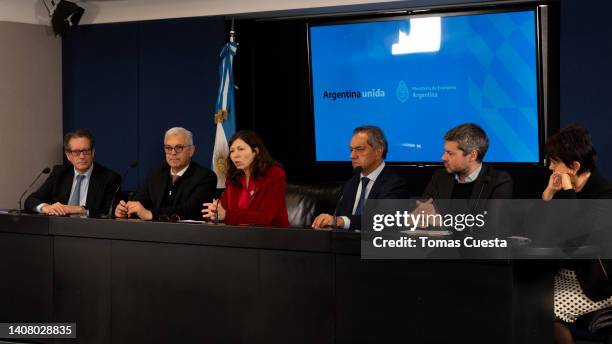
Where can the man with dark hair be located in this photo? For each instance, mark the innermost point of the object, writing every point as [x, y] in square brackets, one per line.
[376, 181]
[82, 188]
[176, 190]
[465, 176]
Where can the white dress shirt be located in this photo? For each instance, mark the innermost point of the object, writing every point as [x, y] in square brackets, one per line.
[372, 177]
[472, 177]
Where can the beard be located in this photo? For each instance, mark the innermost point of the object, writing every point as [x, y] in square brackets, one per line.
[461, 171]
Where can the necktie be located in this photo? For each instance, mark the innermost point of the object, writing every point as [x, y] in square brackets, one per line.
[362, 196]
[175, 177]
[75, 198]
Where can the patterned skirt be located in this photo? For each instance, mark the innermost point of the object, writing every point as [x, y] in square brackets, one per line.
[570, 300]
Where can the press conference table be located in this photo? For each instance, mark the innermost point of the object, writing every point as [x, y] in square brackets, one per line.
[131, 281]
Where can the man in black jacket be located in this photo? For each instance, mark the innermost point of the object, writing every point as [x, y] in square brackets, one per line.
[176, 190]
[465, 176]
[81, 188]
[375, 181]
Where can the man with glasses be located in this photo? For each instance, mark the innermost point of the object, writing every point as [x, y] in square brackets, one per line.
[176, 190]
[81, 188]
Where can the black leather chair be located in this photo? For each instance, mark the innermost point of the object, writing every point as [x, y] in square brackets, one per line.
[306, 201]
[594, 327]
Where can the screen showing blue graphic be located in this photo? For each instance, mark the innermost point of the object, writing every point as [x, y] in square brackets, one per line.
[418, 77]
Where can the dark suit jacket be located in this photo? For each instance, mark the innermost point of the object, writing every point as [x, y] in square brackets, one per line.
[267, 207]
[57, 187]
[490, 184]
[590, 274]
[388, 185]
[196, 186]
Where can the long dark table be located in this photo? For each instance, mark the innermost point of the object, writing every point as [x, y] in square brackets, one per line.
[142, 282]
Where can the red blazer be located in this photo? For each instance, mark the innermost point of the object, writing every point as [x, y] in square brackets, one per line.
[267, 206]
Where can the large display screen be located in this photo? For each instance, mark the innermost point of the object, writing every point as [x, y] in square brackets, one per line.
[417, 77]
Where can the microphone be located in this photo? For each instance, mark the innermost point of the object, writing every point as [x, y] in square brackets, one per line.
[46, 170]
[132, 164]
[485, 180]
[356, 171]
[217, 212]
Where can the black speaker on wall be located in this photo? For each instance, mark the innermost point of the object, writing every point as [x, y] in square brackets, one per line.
[65, 17]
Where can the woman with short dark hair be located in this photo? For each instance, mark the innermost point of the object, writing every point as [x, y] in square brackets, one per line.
[578, 287]
[572, 158]
[255, 186]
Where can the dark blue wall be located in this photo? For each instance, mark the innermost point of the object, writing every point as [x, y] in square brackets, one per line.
[129, 82]
[586, 72]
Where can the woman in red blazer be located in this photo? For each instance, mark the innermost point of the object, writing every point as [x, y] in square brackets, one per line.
[255, 186]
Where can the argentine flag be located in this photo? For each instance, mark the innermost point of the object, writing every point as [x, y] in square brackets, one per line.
[224, 112]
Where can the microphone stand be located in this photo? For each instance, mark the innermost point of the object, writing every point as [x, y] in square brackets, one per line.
[216, 220]
[109, 214]
[44, 171]
[356, 171]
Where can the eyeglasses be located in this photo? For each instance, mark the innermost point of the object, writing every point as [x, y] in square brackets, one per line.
[77, 152]
[169, 218]
[177, 149]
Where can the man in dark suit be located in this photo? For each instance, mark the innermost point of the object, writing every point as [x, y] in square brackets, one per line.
[176, 190]
[82, 188]
[465, 176]
[376, 181]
